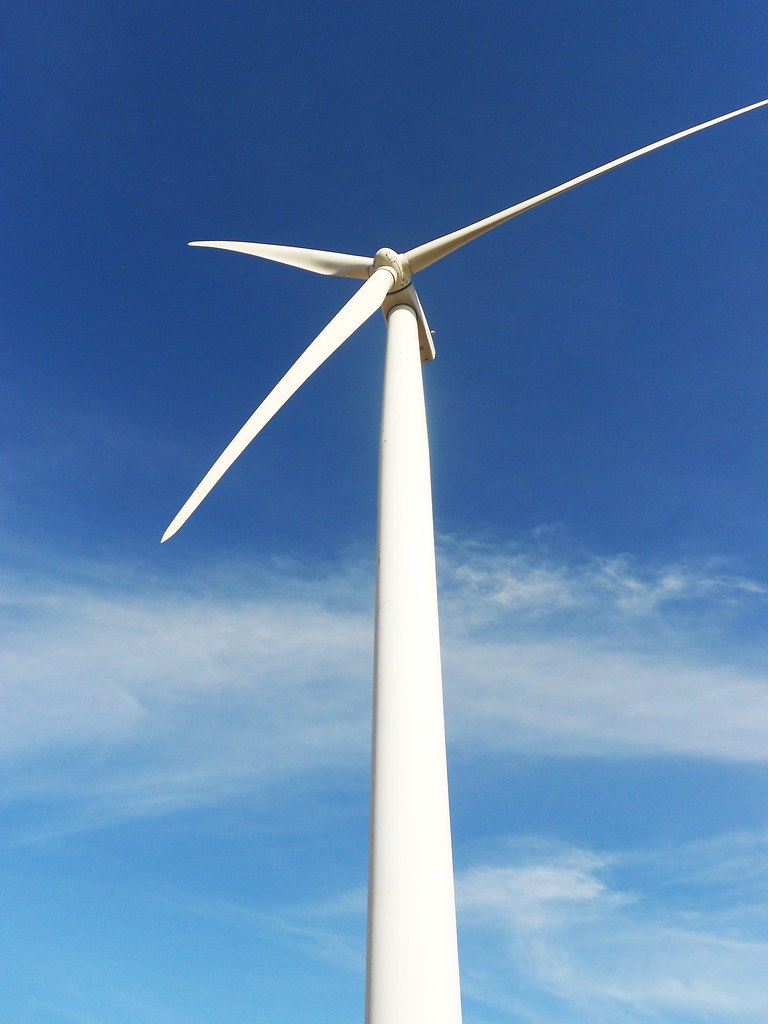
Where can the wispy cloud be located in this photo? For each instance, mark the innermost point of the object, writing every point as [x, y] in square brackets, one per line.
[146, 701]
[573, 697]
[602, 656]
[553, 933]
[620, 937]
[142, 694]
[331, 930]
[531, 583]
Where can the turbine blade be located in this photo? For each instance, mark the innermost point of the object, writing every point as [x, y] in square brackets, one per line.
[360, 307]
[425, 255]
[336, 264]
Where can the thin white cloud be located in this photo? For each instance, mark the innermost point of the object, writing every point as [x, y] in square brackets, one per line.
[570, 697]
[140, 694]
[602, 655]
[551, 933]
[587, 936]
[530, 583]
[143, 703]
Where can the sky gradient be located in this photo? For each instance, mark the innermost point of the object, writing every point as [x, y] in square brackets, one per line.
[184, 730]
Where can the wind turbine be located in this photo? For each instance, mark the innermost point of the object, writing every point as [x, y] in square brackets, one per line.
[412, 974]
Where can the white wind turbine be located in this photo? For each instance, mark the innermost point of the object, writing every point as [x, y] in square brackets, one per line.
[412, 961]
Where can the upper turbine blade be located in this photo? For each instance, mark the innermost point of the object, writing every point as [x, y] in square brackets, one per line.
[424, 255]
[360, 307]
[336, 264]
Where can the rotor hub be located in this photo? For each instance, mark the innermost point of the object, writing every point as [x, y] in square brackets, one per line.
[397, 264]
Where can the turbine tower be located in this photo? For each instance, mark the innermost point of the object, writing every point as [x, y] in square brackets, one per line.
[412, 973]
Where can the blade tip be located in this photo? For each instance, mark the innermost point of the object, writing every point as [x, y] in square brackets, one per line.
[172, 529]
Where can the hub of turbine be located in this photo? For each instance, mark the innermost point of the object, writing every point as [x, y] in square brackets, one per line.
[397, 264]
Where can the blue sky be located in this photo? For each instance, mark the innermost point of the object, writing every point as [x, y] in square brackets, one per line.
[184, 733]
